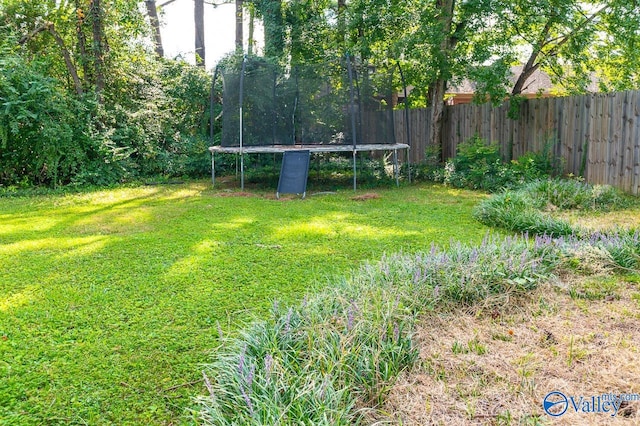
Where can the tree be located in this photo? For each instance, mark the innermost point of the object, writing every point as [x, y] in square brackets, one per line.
[274, 28]
[50, 28]
[154, 22]
[99, 46]
[198, 14]
[239, 25]
[441, 52]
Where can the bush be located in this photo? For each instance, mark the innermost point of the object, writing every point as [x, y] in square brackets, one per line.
[477, 165]
[153, 120]
[42, 131]
[568, 194]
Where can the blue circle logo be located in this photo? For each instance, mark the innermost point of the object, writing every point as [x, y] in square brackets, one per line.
[555, 404]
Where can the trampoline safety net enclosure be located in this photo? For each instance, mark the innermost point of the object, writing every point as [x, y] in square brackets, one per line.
[329, 107]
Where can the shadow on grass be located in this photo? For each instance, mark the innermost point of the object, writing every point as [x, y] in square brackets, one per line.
[110, 301]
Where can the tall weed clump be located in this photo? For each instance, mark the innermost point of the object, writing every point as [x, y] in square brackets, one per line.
[332, 358]
[528, 208]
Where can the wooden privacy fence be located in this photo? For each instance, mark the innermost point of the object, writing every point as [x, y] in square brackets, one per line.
[597, 136]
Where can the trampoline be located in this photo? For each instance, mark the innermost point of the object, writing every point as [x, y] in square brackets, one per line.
[332, 107]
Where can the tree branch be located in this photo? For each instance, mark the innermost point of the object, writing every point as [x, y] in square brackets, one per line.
[71, 68]
[166, 3]
[564, 39]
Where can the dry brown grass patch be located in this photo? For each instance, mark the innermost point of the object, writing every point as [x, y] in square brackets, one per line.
[239, 194]
[625, 219]
[486, 369]
[366, 196]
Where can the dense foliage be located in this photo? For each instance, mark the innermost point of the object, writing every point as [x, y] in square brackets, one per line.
[479, 165]
[82, 103]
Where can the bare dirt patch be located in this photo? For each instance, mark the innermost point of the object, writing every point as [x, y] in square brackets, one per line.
[240, 194]
[496, 367]
[366, 196]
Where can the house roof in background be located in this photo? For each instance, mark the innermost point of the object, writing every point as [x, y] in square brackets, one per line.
[538, 83]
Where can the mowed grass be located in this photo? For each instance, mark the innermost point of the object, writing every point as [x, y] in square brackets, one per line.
[111, 300]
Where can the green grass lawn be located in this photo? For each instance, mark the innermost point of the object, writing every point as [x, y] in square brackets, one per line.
[111, 300]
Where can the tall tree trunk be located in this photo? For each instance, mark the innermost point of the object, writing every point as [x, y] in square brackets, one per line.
[82, 45]
[437, 92]
[239, 23]
[98, 44]
[152, 13]
[198, 14]
[342, 25]
[252, 19]
[439, 86]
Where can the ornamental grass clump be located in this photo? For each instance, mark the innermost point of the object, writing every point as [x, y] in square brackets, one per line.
[516, 211]
[332, 358]
[527, 209]
[571, 194]
[618, 250]
[317, 363]
[464, 275]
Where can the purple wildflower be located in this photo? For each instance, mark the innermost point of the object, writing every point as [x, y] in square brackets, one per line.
[352, 310]
[436, 292]
[473, 257]
[207, 383]
[252, 370]
[417, 275]
[241, 360]
[396, 332]
[247, 400]
[287, 322]
[268, 364]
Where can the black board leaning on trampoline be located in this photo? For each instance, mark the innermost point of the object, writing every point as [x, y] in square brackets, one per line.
[294, 173]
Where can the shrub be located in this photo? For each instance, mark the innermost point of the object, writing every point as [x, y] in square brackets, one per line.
[568, 194]
[477, 165]
[516, 211]
[42, 131]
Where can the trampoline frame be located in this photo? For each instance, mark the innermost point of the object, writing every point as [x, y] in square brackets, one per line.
[314, 149]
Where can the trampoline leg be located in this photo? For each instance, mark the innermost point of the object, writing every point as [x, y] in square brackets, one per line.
[409, 163]
[213, 169]
[241, 172]
[355, 170]
[396, 170]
